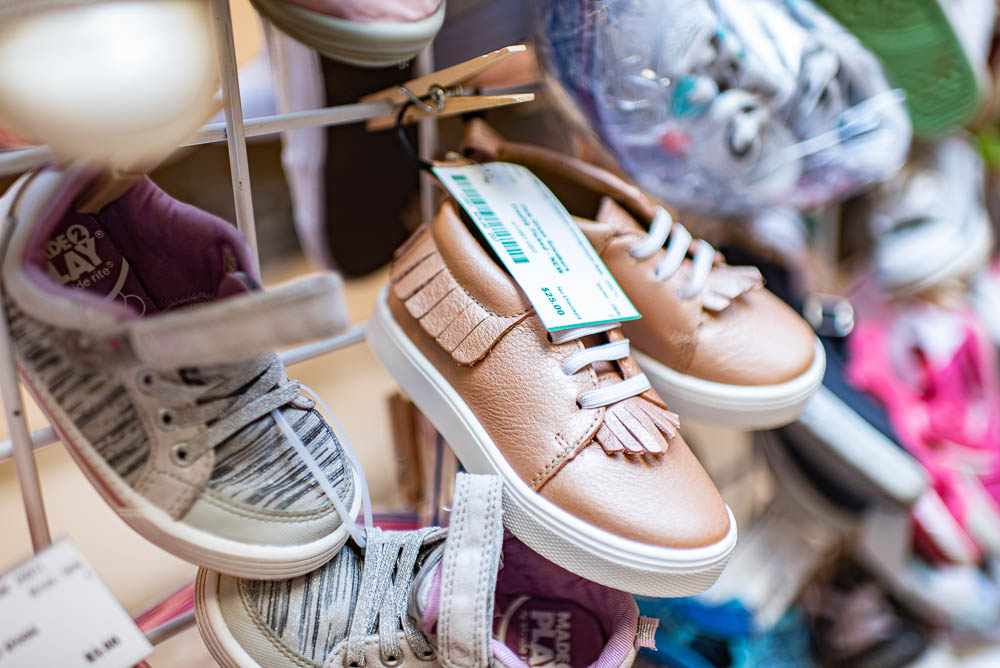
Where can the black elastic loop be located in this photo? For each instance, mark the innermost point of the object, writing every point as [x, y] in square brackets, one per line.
[412, 154]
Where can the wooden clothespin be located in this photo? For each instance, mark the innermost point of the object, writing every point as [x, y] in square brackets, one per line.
[105, 189]
[440, 93]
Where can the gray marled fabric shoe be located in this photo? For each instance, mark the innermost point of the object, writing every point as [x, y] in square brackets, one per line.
[139, 331]
[463, 596]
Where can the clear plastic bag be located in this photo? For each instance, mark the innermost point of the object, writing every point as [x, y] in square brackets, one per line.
[726, 106]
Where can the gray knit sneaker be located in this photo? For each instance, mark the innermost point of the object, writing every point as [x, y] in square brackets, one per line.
[463, 596]
[141, 334]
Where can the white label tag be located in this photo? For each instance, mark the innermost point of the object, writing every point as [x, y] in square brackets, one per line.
[537, 240]
[54, 611]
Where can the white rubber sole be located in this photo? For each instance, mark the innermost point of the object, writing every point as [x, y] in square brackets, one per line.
[549, 530]
[378, 44]
[866, 451]
[221, 642]
[245, 560]
[948, 256]
[737, 406]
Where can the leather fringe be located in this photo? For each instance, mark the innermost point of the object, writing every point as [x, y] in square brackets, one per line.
[636, 426]
[727, 283]
[460, 325]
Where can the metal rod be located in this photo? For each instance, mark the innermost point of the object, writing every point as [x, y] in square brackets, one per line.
[14, 161]
[295, 120]
[23, 452]
[239, 165]
[40, 438]
[171, 628]
[427, 136]
[354, 335]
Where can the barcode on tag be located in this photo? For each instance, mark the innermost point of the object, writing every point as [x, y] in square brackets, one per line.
[489, 218]
[539, 244]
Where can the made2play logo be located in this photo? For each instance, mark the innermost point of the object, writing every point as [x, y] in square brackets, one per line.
[72, 257]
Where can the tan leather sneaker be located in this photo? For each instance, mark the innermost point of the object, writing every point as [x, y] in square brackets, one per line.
[596, 477]
[716, 344]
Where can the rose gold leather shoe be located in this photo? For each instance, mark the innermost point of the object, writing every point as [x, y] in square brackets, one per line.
[716, 344]
[596, 477]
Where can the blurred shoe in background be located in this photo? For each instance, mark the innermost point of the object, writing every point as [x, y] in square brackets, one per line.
[855, 624]
[367, 33]
[842, 430]
[930, 222]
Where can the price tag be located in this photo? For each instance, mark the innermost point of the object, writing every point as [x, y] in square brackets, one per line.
[54, 611]
[539, 243]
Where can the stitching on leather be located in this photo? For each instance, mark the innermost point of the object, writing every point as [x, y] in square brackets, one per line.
[268, 632]
[457, 529]
[539, 478]
[567, 452]
[184, 497]
[478, 611]
[482, 600]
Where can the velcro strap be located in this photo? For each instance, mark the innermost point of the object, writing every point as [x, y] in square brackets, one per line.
[469, 572]
[242, 327]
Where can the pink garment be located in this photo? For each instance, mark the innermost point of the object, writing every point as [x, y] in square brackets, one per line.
[372, 11]
[944, 404]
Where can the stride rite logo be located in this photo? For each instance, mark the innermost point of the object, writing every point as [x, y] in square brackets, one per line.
[73, 254]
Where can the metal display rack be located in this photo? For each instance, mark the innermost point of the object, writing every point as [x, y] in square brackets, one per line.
[234, 131]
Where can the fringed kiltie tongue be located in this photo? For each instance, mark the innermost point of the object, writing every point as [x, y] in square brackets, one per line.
[637, 426]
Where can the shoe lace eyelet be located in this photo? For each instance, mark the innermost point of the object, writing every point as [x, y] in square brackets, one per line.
[354, 664]
[165, 418]
[181, 455]
[145, 379]
[429, 655]
[390, 660]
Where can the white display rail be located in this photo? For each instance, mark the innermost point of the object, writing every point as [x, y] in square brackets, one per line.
[234, 131]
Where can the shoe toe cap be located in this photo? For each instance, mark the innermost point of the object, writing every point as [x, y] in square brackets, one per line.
[665, 500]
[757, 340]
[243, 523]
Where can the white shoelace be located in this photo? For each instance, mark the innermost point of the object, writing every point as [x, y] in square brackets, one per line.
[662, 227]
[606, 352]
[357, 532]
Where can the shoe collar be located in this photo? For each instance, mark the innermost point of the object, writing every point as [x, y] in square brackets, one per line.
[226, 330]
